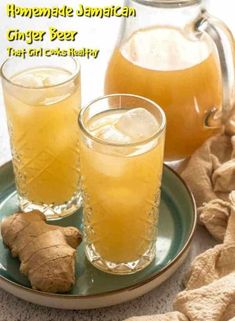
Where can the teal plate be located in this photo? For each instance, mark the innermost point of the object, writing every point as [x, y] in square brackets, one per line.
[94, 288]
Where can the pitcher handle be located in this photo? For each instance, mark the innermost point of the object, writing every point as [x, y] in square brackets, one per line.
[224, 42]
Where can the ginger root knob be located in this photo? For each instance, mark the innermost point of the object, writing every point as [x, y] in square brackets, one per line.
[47, 252]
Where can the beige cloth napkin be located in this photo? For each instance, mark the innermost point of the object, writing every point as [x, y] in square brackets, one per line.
[210, 284]
[214, 182]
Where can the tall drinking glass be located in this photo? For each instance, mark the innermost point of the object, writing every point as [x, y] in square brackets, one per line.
[42, 99]
[121, 149]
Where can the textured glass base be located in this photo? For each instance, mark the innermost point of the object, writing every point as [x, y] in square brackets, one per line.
[119, 268]
[52, 212]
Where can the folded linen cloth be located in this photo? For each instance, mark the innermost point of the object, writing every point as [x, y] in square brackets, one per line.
[214, 185]
[214, 163]
[214, 215]
[210, 283]
[213, 302]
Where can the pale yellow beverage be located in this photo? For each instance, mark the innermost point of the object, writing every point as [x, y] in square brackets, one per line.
[42, 109]
[121, 179]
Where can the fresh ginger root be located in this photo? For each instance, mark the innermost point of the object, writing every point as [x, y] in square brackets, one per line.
[47, 252]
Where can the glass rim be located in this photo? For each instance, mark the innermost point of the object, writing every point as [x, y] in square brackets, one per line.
[168, 3]
[122, 145]
[70, 78]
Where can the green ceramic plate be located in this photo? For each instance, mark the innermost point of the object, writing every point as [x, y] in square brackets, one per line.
[94, 288]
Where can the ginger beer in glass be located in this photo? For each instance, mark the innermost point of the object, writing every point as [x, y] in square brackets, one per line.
[122, 143]
[42, 99]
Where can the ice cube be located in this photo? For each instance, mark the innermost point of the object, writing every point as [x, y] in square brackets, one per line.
[42, 77]
[38, 80]
[138, 124]
[112, 135]
[55, 78]
[28, 80]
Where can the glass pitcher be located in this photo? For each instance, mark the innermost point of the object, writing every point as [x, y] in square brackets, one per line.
[176, 54]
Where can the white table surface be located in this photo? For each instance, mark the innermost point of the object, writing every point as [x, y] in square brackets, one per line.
[93, 34]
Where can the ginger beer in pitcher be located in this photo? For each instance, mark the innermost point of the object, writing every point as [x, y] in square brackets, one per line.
[164, 55]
